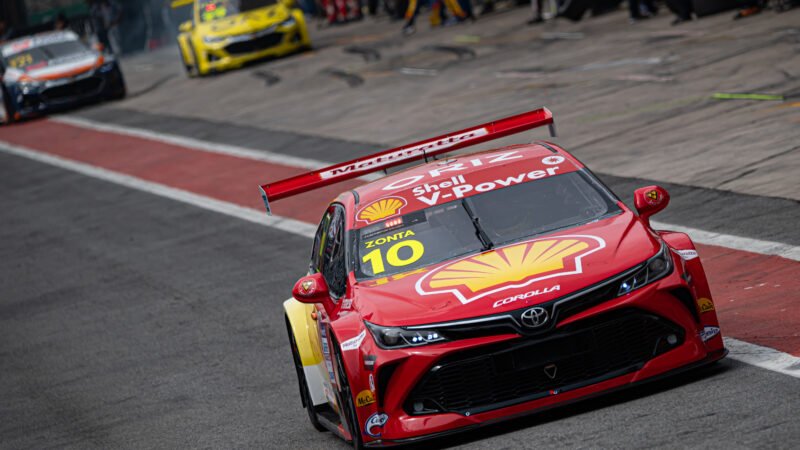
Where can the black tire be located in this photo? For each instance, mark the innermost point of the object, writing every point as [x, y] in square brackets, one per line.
[5, 103]
[346, 397]
[305, 394]
[120, 91]
[191, 68]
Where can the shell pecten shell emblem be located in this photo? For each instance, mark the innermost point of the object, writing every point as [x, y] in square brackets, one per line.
[381, 209]
[510, 267]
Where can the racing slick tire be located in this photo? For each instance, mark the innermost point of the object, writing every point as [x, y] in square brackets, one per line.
[5, 104]
[346, 396]
[192, 68]
[305, 394]
[120, 91]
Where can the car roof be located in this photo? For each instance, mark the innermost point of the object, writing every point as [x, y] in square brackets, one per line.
[472, 173]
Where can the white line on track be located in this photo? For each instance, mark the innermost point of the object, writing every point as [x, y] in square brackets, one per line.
[197, 144]
[764, 357]
[251, 215]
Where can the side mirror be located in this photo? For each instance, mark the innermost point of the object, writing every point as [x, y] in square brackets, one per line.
[650, 200]
[312, 289]
[185, 27]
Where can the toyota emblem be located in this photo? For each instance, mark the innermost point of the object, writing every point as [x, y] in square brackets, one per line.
[534, 317]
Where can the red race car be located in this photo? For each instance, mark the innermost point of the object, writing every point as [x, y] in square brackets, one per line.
[484, 286]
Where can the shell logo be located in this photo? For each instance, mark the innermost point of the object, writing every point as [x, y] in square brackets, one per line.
[511, 267]
[381, 209]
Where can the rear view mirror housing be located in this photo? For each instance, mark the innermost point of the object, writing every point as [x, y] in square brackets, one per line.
[650, 200]
[313, 289]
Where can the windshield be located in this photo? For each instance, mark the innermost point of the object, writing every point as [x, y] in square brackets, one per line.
[36, 57]
[443, 232]
[218, 9]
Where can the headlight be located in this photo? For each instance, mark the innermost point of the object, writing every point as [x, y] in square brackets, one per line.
[214, 39]
[654, 269]
[397, 337]
[29, 86]
[288, 22]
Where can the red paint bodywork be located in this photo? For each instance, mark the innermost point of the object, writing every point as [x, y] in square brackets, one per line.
[627, 241]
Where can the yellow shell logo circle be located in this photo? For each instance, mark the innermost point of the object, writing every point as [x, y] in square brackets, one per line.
[381, 209]
[510, 267]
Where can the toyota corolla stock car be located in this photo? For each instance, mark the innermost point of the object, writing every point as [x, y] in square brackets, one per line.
[484, 286]
[52, 71]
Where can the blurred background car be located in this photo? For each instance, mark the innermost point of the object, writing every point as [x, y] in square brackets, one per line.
[55, 70]
[226, 34]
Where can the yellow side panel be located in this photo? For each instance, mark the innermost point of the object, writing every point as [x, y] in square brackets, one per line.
[305, 330]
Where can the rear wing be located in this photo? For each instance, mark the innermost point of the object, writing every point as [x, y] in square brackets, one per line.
[406, 153]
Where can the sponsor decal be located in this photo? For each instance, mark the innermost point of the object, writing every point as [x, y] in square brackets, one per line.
[551, 370]
[534, 317]
[552, 160]
[371, 383]
[708, 333]
[381, 209]
[687, 255]
[452, 166]
[652, 197]
[705, 305]
[307, 287]
[526, 295]
[365, 398]
[386, 239]
[377, 420]
[375, 162]
[354, 343]
[457, 187]
[347, 303]
[512, 267]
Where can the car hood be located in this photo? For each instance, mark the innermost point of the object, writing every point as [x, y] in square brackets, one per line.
[510, 277]
[248, 22]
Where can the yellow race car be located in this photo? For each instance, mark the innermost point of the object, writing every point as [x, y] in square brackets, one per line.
[225, 34]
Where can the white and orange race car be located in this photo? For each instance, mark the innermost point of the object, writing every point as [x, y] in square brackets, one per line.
[52, 71]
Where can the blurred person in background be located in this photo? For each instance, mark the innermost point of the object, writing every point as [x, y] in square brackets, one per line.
[5, 31]
[683, 10]
[641, 9]
[536, 8]
[342, 11]
[460, 11]
[61, 22]
[106, 16]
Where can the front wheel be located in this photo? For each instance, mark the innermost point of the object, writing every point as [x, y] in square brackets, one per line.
[305, 394]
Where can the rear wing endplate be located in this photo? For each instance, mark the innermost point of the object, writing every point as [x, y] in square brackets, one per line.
[406, 153]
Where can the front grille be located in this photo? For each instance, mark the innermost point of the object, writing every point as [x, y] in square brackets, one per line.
[74, 90]
[259, 43]
[511, 372]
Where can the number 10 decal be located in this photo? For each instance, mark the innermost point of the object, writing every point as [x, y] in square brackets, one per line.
[393, 258]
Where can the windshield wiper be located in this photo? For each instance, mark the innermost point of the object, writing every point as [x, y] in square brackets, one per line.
[476, 222]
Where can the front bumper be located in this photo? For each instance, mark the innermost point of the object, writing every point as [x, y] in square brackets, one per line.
[438, 389]
[237, 51]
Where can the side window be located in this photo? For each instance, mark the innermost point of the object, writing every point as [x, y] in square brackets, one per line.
[319, 242]
[333, 254]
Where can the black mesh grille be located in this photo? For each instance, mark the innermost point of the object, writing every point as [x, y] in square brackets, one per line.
[259, 43]
[499, 375]
[77, 89]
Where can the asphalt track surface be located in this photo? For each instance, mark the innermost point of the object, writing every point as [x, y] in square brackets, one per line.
[128, 320]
